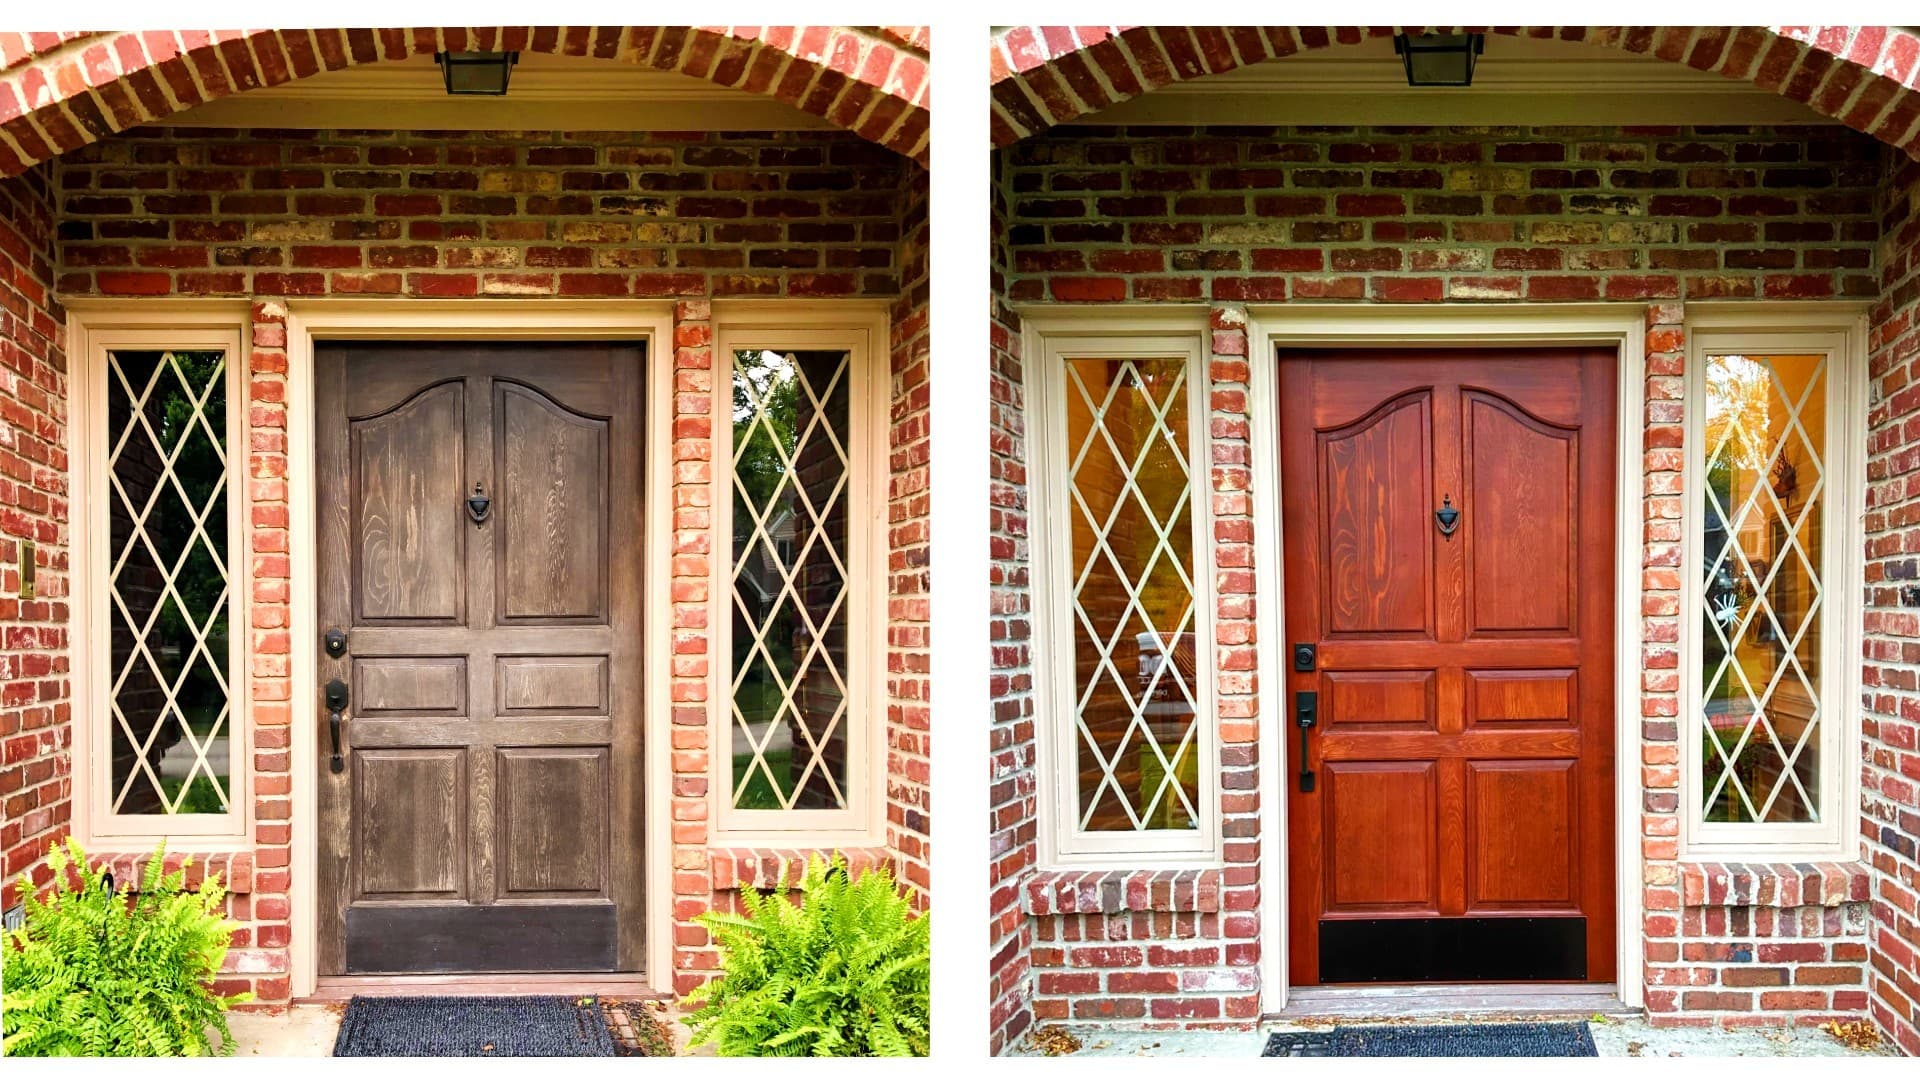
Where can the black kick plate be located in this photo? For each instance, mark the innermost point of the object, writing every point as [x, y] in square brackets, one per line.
[1453, 949]
[496, 938]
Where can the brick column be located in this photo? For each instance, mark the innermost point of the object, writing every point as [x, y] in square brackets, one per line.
[1660, 656]
[909, 543]
[269, 582]
[36, 704]
[692, 573]
[1890, 736]
[1012, 801]
[1236, 706]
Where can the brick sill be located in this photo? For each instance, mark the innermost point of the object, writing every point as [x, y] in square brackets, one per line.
[235, 866]
[1066, 893]
[762, 868]
[1774, 885]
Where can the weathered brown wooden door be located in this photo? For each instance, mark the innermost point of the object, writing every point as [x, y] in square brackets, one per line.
[479, 519]
[1458, 824]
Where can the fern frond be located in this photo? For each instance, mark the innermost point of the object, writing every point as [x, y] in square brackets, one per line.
[126, 972]
[844, 971]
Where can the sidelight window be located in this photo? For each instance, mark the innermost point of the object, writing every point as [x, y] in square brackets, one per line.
[799, 586]
[1772, 475]
[159, 591]
[1120, 504]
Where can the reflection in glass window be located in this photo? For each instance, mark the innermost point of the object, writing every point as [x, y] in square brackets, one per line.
[1131, 509]
[1762, 598]
[790, 549]
[169, 583]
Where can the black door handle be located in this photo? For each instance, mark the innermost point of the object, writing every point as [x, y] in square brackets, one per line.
[1305, 714]
[336, 705]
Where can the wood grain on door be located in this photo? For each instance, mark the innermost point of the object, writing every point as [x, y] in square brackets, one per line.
[479, 512]
[1463, 746]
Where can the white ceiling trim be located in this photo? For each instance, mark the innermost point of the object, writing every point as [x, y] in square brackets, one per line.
[544, 93]
[1518, 82]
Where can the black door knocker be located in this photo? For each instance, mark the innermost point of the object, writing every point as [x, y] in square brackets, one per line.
[478, 504]
[1448, 516]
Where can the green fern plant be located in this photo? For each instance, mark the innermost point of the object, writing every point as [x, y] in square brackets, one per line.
[843, 972]
[99, 971]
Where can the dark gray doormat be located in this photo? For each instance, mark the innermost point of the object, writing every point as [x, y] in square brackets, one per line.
[1561, 1039]
[445, 1026]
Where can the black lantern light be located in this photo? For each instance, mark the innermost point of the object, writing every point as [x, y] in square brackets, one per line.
[477, 73]
[1439, 59]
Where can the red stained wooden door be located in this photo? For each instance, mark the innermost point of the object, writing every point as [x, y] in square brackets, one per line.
[1463, 751]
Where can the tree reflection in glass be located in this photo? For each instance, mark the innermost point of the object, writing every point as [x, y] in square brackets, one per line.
[791, 498]
[168, 599]
[1761, 587]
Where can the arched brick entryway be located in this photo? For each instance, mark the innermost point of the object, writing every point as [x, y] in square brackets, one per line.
[61, 91]
[1866, 77]
[1215, 213]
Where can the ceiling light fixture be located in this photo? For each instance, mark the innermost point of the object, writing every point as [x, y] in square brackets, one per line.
[477, 73]
[1439, 59]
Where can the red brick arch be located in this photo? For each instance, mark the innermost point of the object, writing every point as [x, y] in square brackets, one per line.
[1866, 77]
[61, 91]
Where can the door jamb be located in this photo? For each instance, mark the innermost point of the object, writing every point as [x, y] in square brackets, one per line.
[487, 320]
[1621, 326]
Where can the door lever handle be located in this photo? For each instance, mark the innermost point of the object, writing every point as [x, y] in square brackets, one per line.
[1305, 714]
[336, 691]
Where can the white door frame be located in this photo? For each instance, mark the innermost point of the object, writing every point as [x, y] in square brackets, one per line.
[310, 321]
[1619, 326]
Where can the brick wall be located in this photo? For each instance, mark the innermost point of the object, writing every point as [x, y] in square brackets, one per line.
[292, 214]
[1013, 829]
[1890, 823]
[909, 629]
[273, 217]
[1653, 217]
[1423, 214]
[35, 702]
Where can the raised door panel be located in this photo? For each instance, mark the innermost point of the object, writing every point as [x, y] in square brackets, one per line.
[1381, 838]
[551, 821]
[571, 685]
[1380, 701]
[406, 509]
[1375, 487]
[1522, 698]
[1520, 831]
[1522, 475]
[552, 508]
[415, 686]
[410, 824]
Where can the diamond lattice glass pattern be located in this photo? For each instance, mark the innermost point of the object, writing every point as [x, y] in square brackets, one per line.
[1130, 504]
[790, 519]
[1761, 588]
[168, 602]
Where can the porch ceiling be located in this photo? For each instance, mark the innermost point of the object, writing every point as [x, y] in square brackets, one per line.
[1518, 81]
[546, 93]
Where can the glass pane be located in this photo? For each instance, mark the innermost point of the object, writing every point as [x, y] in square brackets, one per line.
[168, 593]
[1132, 565]
[790, 500]
[1761, 623]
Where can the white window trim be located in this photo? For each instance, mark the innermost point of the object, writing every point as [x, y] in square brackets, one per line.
[860, 327]
[1839, 331]
[1051, 338]
[92, 330]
